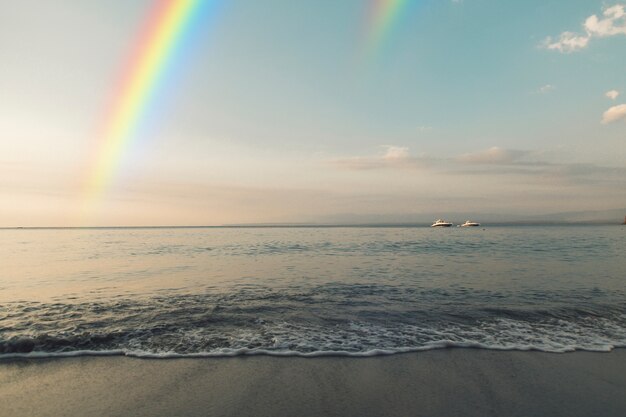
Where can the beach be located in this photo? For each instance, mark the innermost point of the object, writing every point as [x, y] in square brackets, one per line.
[507, 321]
[312, 208]
[443, 382]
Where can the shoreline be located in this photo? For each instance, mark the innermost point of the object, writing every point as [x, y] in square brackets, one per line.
[246, 352]
[440, 382]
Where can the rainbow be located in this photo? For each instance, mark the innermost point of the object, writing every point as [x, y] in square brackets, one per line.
[383, 17]
[167, 33]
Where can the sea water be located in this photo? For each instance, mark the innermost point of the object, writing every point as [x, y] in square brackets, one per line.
[166, 292]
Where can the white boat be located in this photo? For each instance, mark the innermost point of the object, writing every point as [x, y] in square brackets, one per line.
[441, 223]
[469, 223]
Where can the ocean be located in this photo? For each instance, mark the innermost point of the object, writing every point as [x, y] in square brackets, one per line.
[310, 291]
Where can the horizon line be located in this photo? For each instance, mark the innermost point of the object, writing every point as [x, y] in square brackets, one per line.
[325, 225]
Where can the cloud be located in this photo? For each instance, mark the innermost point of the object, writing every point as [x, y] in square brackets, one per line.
[612, 23]
[567, 42]
[510, 165]
[395, 153]
[614, 114]
[394, 157]
[612, 94]
[397, 157]
[546, 89]
[531, 167]
[494, 155]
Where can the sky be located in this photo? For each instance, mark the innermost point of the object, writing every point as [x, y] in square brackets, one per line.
[300, 112]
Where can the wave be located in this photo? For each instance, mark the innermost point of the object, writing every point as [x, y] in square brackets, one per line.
[224, 353]
[357, 339]
[349, 320]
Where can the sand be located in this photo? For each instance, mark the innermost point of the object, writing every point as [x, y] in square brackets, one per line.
[448, 382]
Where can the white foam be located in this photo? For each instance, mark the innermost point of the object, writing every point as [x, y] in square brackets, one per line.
[223, 353]
[368, 339]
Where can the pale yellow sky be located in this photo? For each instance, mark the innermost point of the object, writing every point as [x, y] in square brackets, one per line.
[277, 120]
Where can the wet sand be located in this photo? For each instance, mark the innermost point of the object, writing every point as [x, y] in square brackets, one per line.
[447, 382]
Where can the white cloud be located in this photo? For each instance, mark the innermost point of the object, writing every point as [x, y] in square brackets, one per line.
[395, 153]
[494, 155]
[567, 42]
[495, 170]
[614, 114]
[546, 88]
[612, 94]
[395, 157]
[613, 23]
